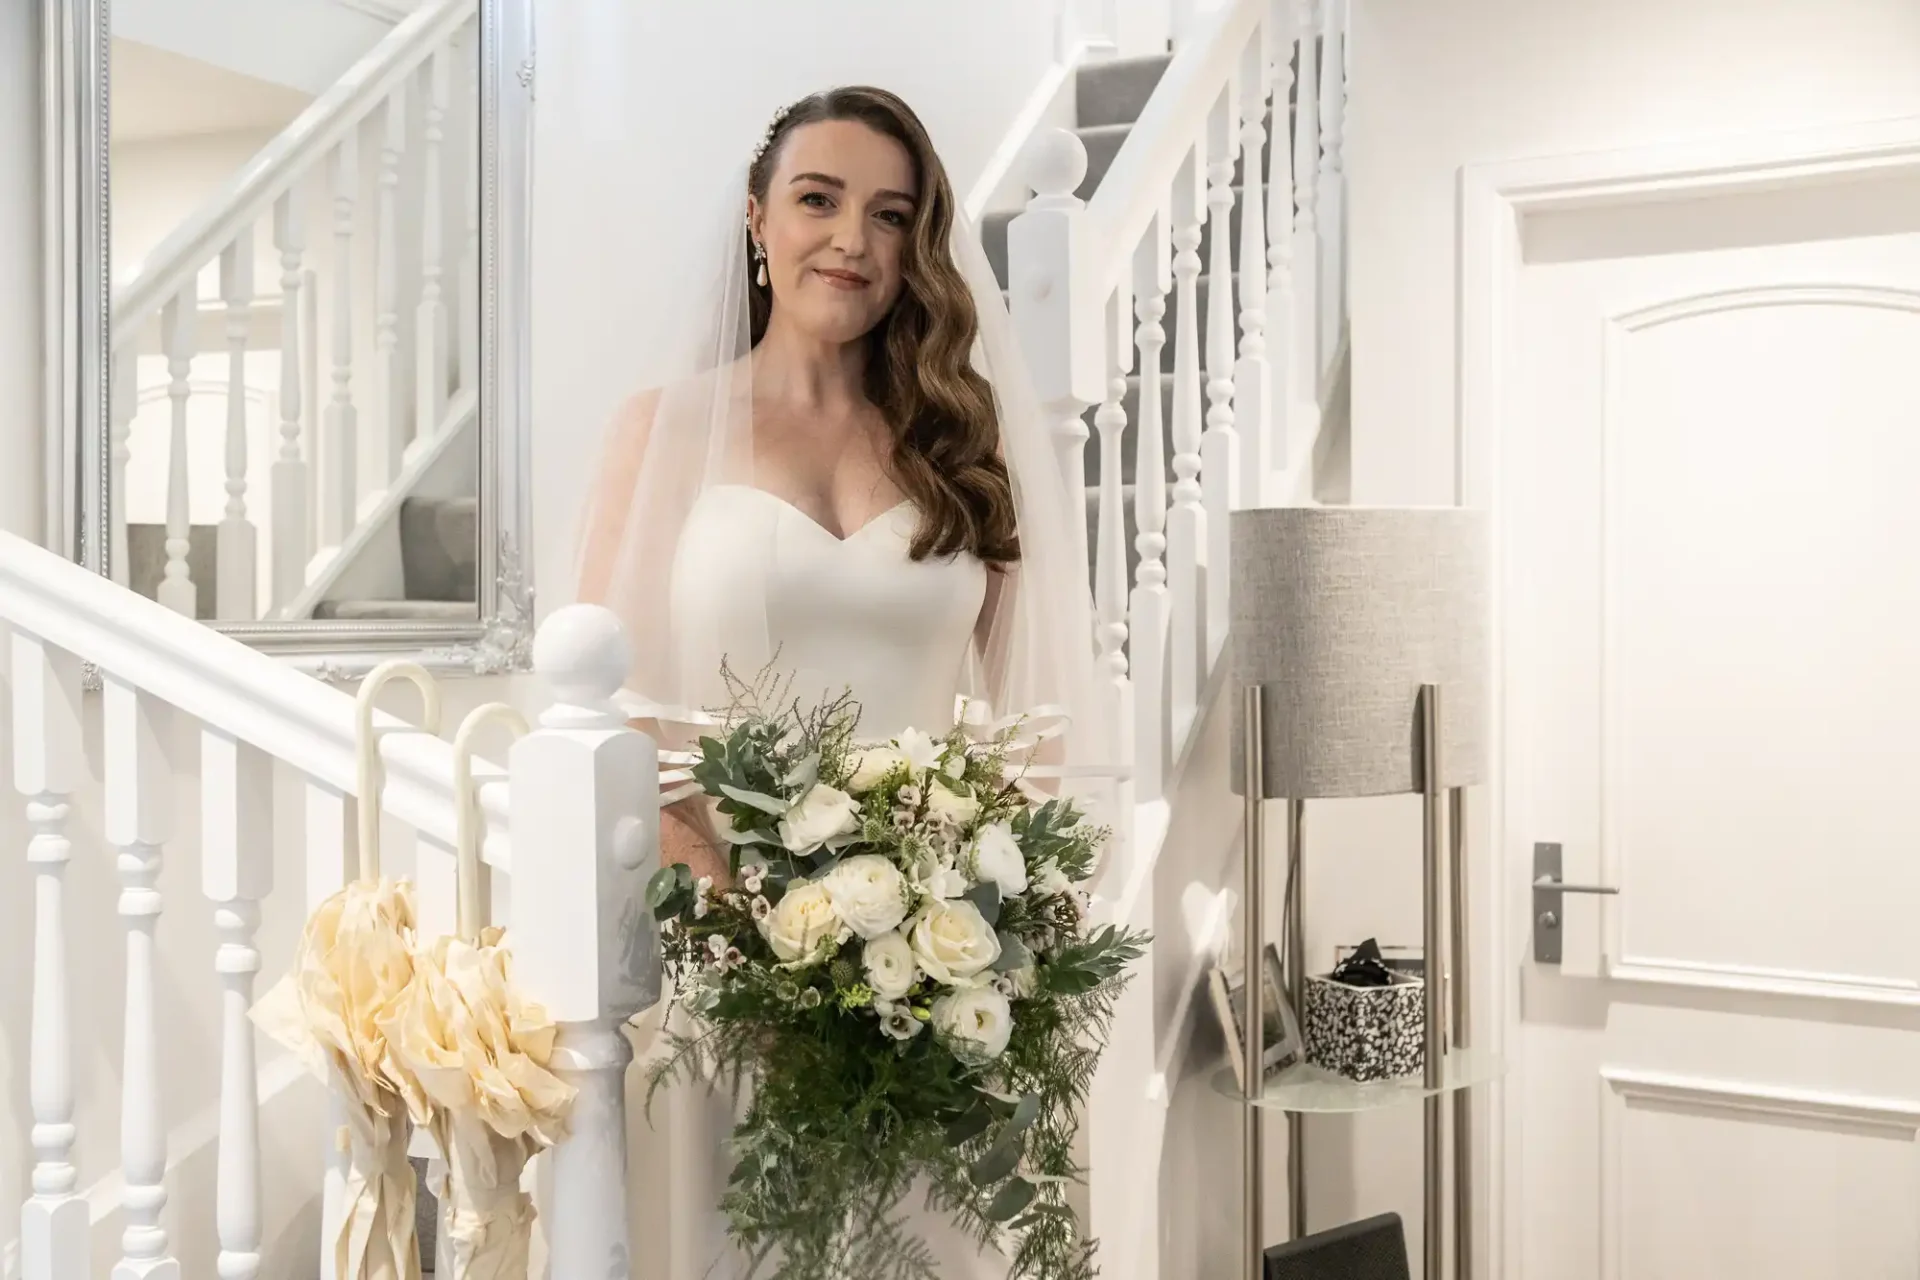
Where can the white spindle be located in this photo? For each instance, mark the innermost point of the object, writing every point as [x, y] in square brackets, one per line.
[1187, 522]
[236, 577]
[236, 872]
[584, 796]
[392, 400]
[1282, 306]
[54, 1241]
[1110, 564]
[1306, 238]
[138, 790]
[178, 324]
[310, 410]
[1147, 636]
[430, 354]
[1252, 379]
[1332, 212]
[331, 844]
[1220, 447]
[123, 407]
[342, 478]
[469, 299]
[292, 532]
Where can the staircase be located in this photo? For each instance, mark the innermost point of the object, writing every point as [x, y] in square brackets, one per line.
[1198, 348]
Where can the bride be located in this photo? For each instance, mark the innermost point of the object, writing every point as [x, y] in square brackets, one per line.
[847, 477]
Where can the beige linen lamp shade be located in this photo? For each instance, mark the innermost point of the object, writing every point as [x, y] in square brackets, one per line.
[1341, 614]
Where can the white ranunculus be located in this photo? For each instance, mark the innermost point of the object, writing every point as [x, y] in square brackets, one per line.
[950, 807]
[888, 961]
[953, 942]
[869, 893]
[871, 766]
[1050, 881]
[803, 920]
[819, 816]
[974, 1023]
[920, 750]
[996, 857]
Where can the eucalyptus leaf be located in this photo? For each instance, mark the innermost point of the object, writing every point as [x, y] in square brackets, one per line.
[986, 896]
[1023, 1117]
[758, 800]
[684, 874]
[969, 1126]
[733, 835]
[661, 886]
[1011, 1199]
[1013, 954]
[1002, 1160]
[804, 774]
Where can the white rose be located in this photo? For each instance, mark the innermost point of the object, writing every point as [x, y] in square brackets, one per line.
[950, 807]
[869, 893]
[1050, 880]
[888, 961]
[953, 942]
[820, 815]
[803, 920]
[871, 766]
[996, 857]
[974, 1023]
[921, 752]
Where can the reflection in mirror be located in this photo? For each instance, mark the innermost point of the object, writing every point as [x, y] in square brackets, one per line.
[295, 357]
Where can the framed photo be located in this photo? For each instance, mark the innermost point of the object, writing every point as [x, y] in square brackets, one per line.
[1283, 1047]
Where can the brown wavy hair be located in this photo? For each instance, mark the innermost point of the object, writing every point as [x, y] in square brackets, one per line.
[919, 369]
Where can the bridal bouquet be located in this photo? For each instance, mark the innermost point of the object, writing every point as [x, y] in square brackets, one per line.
[903, 973]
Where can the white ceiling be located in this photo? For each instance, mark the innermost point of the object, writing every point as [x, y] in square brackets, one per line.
[158, 94]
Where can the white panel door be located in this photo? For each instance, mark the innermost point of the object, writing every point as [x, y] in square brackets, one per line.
[1713, 667]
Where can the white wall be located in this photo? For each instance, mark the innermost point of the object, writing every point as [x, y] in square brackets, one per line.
[646, 111]
[1438, 86]
[22, 480]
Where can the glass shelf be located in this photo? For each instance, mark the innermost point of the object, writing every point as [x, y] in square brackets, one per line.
[1314, 1089]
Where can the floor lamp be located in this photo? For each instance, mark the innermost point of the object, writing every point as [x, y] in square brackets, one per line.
[1360, 650]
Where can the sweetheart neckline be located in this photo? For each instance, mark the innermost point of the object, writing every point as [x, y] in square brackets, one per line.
[840, 539]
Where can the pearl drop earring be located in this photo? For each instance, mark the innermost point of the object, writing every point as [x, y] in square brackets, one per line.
[760, 252]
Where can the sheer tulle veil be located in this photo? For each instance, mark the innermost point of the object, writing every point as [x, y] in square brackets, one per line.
[693, 430]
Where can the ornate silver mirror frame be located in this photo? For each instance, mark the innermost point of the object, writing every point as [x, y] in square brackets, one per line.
[78, 399]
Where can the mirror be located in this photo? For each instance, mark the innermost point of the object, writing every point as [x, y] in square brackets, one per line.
[291, 241]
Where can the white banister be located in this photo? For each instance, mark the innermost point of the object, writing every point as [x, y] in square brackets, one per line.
[138, 824]
[1332, 212]
[1187, 521]
[46, 686]
[177, 324]
[236, 873]
[1306, 238]
[391, 399]
[1282, 306]
[292, 529]
[586, 794]
[1150, 610]
[342, 435]
[1252, 378]
[1220, 447]
[430, 318]
[235, 577]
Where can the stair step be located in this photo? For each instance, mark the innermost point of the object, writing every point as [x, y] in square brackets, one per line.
[439, 548]
[1116, 92]
[398, 610]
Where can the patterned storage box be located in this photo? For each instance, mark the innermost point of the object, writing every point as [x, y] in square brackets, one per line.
[1366, 1033]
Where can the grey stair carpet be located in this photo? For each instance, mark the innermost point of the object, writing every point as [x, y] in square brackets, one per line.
[398, 610]
[439, 563]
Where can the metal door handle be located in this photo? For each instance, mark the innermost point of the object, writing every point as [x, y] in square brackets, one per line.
[1548, 888]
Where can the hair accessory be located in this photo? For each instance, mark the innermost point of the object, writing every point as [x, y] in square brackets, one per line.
[773, 127]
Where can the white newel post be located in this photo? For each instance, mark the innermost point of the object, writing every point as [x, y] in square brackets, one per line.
[1067, 362]
[46, 752]
[1252, 378]
[1147, 636]
[1187, 520]
[235, 578]
[1220, 446]
[1281, 303]
[236, 872]
[584, 829]
[138, 822]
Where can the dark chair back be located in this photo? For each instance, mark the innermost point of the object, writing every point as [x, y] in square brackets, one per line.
[1374, 1249]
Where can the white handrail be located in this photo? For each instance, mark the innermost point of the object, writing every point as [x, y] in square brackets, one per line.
[237, 690]
[249, 195]
[1135, 186]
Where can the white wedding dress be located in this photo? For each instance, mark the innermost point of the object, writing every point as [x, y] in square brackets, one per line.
[851, 612]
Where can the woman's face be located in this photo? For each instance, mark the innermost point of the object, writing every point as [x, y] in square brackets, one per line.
[835, 222]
